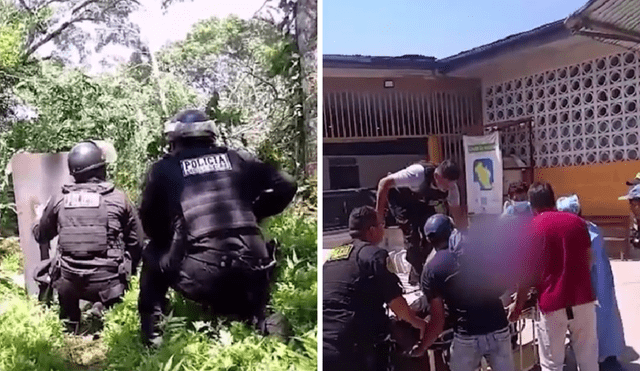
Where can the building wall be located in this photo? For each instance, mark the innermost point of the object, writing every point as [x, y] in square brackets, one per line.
[573, 50]
[598, 185]
[585, 101]
[415, 84]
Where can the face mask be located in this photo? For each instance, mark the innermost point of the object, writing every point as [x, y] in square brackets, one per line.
[518, 207]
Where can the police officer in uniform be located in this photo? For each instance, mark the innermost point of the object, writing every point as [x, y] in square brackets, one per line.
[201, 208]
[412, 195]
[357, 284]
[99, 243]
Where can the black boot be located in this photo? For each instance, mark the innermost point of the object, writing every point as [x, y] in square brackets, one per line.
[151, 334]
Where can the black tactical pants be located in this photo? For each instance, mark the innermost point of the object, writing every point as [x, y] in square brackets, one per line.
[222, 282]
[411, 215]
[73, 289]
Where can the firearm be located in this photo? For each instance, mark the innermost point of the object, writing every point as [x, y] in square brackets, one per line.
[46, 273]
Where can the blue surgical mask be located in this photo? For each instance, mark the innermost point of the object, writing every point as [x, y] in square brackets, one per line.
[518, 207]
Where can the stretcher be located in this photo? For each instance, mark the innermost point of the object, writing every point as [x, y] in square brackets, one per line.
[529, 313]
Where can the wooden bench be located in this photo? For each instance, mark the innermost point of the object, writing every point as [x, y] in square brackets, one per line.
[616, 234]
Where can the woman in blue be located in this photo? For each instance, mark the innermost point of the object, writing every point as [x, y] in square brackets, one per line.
[609, 324]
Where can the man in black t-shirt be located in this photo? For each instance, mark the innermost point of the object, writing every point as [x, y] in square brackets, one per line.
[356, 286]
[458, 278]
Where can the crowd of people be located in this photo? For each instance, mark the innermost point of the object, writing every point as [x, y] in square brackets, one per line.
[474, 279]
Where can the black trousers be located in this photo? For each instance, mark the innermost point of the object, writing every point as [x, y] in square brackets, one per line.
[71, 290]
[411, 214]
[237, 289]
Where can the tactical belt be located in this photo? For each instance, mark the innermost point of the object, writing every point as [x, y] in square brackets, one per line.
[236, 260]
[106, 272]
[235, 232]
[90, 275]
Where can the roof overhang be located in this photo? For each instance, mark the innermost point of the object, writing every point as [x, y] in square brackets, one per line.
[539, 36]
[611, 21]
[540, 57]
[368, 66]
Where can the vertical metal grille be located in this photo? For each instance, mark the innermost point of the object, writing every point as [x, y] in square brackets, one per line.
[398, 114]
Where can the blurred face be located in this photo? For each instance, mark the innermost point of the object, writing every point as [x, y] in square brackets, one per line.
[441, 182]
[635, 207]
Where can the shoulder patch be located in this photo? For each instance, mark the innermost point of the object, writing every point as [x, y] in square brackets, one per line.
[74, 200]
[206, 164]
[340, 253]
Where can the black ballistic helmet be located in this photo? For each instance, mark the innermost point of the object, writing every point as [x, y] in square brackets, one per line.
[84, 157]
[438, 227]
[189, 124]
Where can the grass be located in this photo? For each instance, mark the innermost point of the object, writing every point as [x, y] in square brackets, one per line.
[32, 337]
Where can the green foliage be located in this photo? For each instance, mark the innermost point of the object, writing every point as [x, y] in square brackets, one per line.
[249, 73]
[296, 287]
[13, 262]
[31, 336]
[10, 40]
[73, 107]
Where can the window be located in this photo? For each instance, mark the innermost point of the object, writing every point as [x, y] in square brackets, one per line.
[343, 173]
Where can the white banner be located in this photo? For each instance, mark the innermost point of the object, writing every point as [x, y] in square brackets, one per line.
[483, 160]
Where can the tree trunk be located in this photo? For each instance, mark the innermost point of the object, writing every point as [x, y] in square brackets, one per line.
[306, 18]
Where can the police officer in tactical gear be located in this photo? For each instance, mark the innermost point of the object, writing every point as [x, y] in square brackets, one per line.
[201, 208]
[99, 243]
[412, 195]
[357, 284]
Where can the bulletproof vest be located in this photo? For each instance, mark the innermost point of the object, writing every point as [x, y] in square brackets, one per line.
[349, 291]
[83, 221]
[430, 194]
[417, 206]
[342, 276]
[211, 200]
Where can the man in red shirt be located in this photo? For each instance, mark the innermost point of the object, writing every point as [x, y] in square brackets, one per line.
[558, 266]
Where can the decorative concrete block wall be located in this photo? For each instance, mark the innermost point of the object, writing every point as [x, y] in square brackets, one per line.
[583, 113]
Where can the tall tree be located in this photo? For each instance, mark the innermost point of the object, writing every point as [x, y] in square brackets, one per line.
[297, 21]
[229, 61]
[69, 24]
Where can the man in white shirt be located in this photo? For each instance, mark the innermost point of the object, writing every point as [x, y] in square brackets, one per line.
[412, 195]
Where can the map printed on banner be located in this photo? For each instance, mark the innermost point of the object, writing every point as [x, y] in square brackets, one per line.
[484, 173]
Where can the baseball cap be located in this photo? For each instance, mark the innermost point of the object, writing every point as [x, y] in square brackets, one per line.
[634, 181]
[634, 193]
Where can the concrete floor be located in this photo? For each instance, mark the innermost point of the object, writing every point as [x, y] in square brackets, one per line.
[626, 275]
